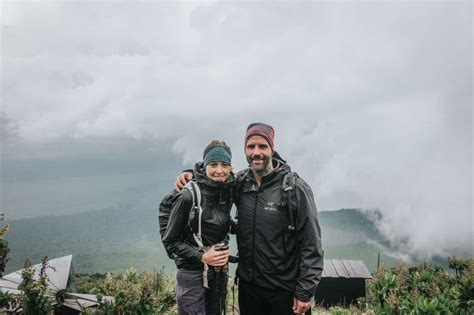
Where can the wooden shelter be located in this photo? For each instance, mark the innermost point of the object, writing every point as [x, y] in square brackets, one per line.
[343, 281]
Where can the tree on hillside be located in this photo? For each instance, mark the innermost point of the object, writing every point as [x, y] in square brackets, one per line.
[4, 249]
[458, 264]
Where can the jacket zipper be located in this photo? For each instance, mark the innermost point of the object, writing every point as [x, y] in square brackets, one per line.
[253, 233]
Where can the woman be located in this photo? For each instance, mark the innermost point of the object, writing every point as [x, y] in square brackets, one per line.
[201, 280]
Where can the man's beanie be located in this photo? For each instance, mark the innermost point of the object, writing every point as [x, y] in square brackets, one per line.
[261, 129]
[217, 153]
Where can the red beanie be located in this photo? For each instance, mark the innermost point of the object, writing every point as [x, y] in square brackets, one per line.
[263, 130]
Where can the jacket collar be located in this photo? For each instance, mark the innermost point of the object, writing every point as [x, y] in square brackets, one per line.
[204, 182]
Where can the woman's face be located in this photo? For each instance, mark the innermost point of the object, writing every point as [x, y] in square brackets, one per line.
[218, 171]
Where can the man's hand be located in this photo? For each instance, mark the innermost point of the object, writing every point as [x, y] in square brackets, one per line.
[300, 307]
[182, 180]
[215, 257]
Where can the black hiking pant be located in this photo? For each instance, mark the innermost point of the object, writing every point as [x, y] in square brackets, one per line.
[263, 301]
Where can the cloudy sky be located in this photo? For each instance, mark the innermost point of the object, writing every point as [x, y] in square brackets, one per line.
[371, 102]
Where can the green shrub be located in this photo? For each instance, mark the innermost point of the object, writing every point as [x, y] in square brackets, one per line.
[4, 249]
[5, 299]
[336, 310]
[399, 290]
[421, 290]
[35, 299]
[134, 293]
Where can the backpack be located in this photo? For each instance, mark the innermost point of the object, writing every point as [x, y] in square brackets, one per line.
[164, 214]
[167, 204]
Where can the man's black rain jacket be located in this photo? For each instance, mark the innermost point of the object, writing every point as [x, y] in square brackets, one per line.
[271, 255]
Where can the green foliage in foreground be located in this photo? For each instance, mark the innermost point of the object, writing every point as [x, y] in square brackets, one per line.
[5, 297]
[421, 290]
[35, 299]
[134, 293]
[399, 290]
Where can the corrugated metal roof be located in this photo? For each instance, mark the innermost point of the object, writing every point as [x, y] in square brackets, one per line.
[334, 268]
[57, 274]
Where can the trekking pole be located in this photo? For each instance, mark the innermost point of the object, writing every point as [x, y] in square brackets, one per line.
[234, 260]
[220, 272]
[217, 282]
[218, 275]
[236, 283]
[221, 294]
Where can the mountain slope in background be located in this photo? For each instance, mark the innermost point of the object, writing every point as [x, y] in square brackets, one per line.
[111, 240]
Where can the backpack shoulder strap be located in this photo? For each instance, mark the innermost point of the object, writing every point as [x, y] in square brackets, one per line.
[193, 187]
[239, 184]
[288, 188]
[196, 209]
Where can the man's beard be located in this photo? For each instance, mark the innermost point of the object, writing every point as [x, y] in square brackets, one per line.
[260, 170]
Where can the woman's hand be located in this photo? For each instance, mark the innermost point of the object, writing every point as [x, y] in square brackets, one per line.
[215, 257]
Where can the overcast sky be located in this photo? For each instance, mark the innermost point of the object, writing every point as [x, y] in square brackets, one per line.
[371, 103]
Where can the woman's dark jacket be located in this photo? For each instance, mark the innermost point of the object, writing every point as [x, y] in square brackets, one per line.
[271, 255]
[216, 204]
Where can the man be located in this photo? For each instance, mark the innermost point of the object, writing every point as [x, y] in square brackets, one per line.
[279, 241]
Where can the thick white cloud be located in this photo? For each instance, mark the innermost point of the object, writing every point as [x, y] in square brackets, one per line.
[372, 103]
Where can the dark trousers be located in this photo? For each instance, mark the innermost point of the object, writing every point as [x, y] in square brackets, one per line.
[257, 300]
[193, 299]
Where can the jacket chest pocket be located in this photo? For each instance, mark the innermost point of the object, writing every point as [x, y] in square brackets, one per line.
[273, 214]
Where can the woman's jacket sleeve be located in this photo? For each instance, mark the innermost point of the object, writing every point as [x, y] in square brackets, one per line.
[174, 237]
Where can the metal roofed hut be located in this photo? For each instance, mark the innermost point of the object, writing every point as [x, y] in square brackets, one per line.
[58, 275]
[342, 282]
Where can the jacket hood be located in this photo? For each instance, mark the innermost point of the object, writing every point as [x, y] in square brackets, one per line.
[280, 164]
[280, 168]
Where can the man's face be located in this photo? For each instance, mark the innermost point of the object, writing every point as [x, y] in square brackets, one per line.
[259, 154]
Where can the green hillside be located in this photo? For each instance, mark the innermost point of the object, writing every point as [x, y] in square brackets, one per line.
[352, 234]
[112, 240]
[106, 240]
